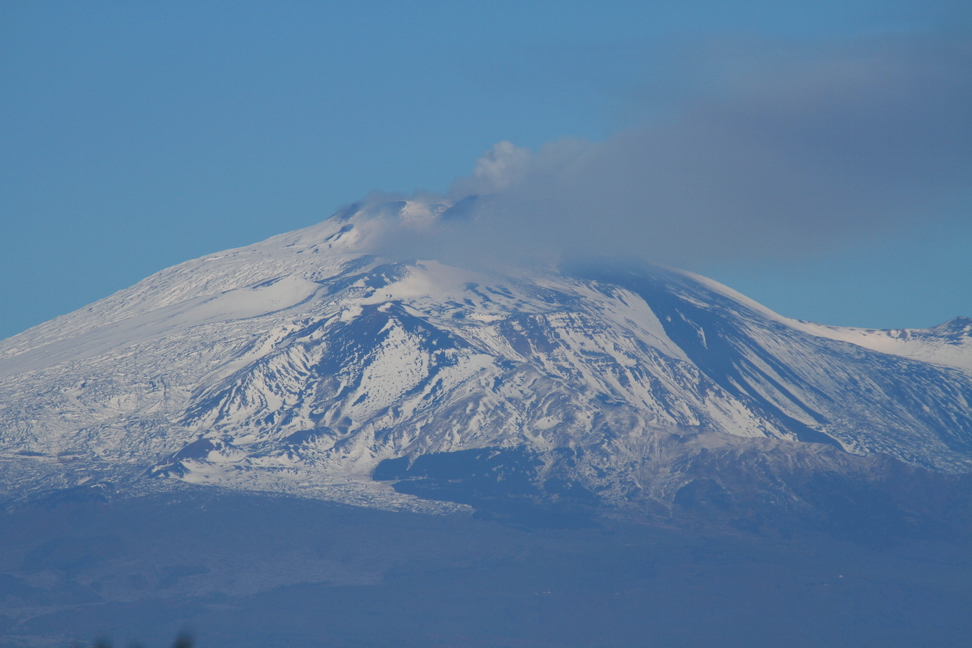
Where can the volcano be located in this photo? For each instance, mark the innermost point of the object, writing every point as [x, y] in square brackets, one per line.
[308, 364]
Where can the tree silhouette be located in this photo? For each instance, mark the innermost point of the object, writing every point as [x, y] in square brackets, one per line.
[183, 640]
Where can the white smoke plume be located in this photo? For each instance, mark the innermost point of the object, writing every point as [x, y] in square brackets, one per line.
[789, 151]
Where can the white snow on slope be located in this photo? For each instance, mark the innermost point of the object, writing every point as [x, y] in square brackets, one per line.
[925, 345]
[304, 362]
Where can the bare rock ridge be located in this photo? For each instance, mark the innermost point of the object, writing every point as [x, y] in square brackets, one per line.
[309, 365]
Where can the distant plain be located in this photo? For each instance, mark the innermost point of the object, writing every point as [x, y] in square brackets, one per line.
[254, 570]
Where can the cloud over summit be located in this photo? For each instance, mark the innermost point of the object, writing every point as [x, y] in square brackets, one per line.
[788, 149]
[495, 171]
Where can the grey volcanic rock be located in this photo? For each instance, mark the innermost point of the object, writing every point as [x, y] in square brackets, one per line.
[306, 365]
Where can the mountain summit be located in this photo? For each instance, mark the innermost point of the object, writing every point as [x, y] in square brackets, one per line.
[309, 364]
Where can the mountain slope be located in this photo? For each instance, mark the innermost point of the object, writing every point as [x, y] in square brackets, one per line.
[302, 363]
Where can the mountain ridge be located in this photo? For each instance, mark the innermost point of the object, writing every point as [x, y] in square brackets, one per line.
[301, 363]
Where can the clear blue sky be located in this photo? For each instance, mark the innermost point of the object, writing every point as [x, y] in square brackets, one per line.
[134, 136]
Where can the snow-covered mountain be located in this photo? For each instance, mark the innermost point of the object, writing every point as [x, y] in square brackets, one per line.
[307, 364]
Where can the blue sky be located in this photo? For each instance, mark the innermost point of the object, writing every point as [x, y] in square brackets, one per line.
[134, 137]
